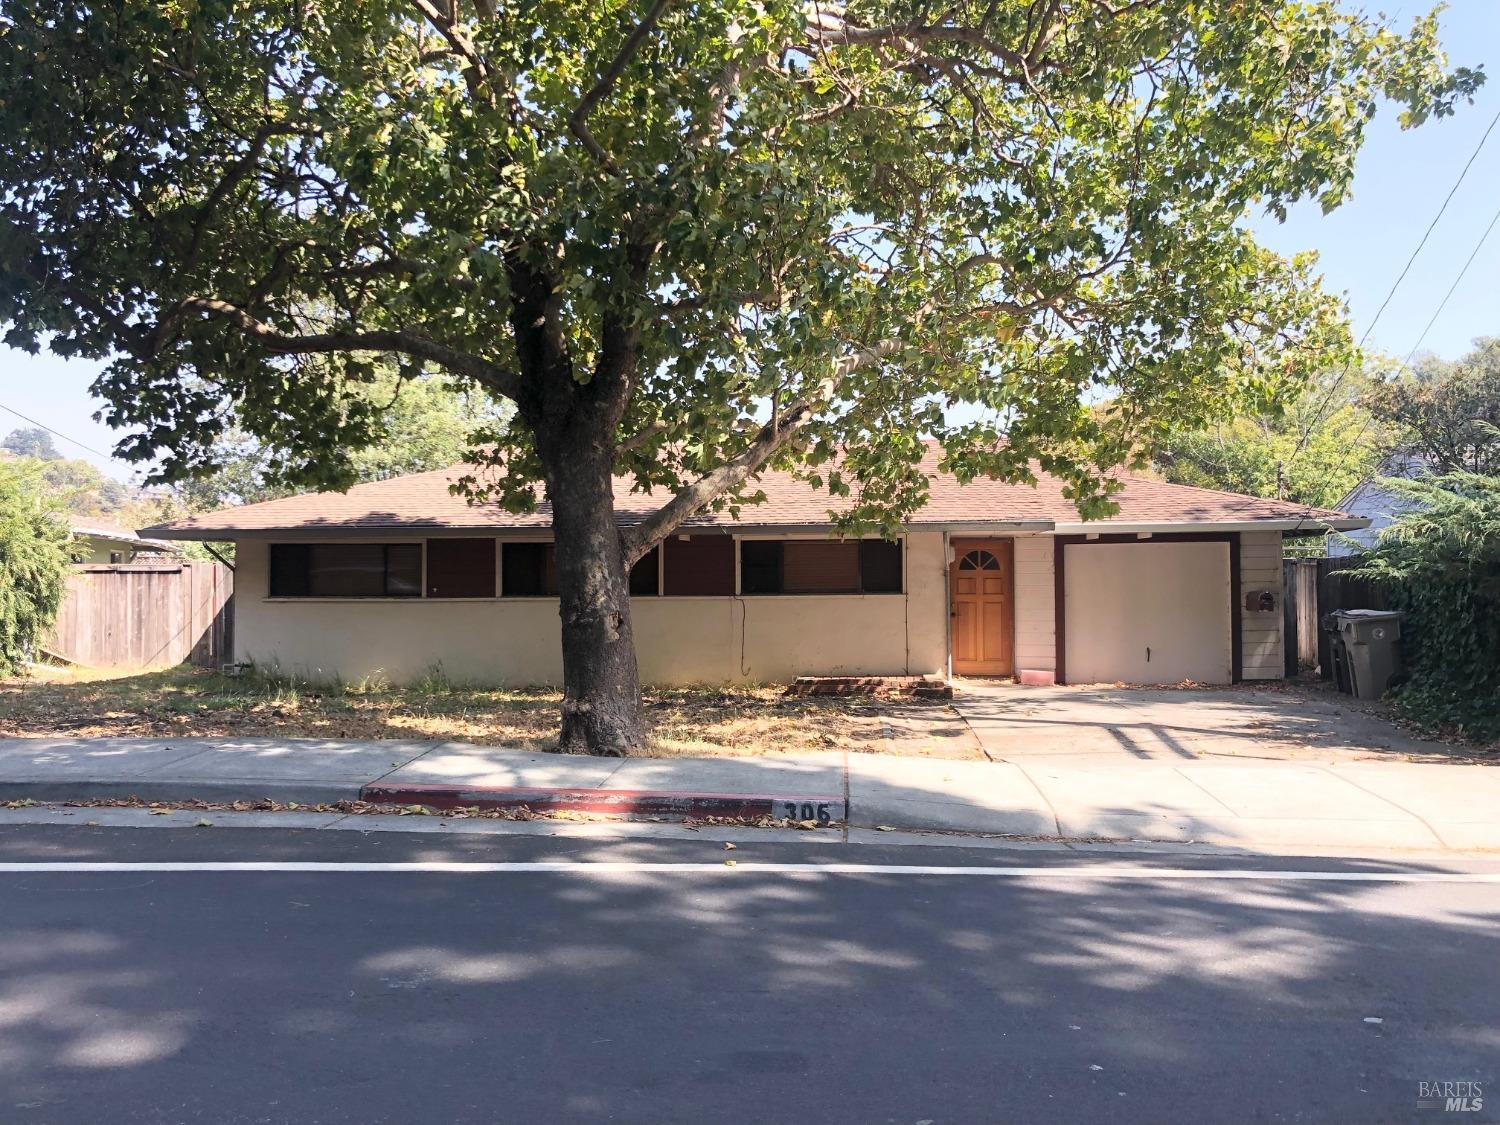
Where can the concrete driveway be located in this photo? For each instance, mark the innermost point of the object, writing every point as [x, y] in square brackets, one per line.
[1105, 723]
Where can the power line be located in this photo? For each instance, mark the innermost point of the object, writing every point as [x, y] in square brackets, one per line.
[55, 433]
[1473, 156]
[1337, 383]
[1451, 289]
[1406, 363]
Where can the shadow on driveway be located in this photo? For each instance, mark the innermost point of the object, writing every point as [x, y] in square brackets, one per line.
[1287, 723]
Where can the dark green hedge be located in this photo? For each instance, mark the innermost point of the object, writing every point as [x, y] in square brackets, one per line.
[34, 557]
[1440, 565]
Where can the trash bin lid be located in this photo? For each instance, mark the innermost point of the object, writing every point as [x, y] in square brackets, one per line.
[1360, 626]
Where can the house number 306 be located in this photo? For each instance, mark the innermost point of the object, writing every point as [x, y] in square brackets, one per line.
[807, 810]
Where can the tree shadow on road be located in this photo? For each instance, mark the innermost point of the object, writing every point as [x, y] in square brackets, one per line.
[735, 994]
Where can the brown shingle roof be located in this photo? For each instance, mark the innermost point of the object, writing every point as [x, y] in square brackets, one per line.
[422, 502]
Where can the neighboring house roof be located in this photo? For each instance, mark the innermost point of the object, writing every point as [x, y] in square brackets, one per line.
[1408, 466]
[1378, 505]
[423, 502]
[122, 536]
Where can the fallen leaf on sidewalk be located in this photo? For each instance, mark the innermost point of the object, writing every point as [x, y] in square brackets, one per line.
[161, 812]
[884, 828]
[204, 824]
[728, 847]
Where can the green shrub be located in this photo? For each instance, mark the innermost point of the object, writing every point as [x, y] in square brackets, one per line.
[1440, 565]
[35, 550]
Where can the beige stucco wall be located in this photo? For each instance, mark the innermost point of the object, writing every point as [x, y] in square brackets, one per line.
[1036, 597]
[1260, 631]
[679, 640]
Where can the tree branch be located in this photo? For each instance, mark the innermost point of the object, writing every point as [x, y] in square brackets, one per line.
[460, 362]
[728, 477]
[233, 176]
[643, 436]
[578, 119]
[479, 71]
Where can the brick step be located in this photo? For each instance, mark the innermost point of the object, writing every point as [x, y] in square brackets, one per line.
[916, 687]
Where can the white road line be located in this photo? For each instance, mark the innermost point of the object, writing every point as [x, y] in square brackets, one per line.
[586, 869]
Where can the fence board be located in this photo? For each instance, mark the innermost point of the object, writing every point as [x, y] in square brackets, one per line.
[146, 615]
[1300, 613]
[1315, 588]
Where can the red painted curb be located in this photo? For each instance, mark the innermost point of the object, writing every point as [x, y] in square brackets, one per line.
[614, 802]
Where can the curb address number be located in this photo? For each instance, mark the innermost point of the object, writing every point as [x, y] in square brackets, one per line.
[806, 810]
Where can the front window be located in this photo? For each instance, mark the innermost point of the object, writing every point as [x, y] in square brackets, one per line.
[346, 570]
[820, 566]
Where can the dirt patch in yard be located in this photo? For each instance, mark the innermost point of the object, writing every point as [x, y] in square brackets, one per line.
[187, 702]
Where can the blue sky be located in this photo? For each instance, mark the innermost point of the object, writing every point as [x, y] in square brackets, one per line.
[1400, 182]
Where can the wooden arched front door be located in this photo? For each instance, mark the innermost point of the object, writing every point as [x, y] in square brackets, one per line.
[981, 583]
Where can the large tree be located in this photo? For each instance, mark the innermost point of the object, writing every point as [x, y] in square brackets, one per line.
[689, 239]
[422, 423]
[32, 442]
[1311, 450]
[1447, 415]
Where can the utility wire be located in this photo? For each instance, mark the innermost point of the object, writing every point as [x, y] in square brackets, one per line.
[1406, 363]
[54, 433]
[1337, 383]
[1473, 156]
[1478, 246]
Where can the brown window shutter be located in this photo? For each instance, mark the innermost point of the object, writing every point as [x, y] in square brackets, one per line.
[460, 568]
[699, 566]
[820, 567]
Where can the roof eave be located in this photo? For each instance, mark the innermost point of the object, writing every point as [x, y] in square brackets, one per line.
[135, 542]
[1307, 525]
[368, 531]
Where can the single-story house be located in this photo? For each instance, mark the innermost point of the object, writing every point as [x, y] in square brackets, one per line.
[1374, 501]
[103, 544]
[398, 577]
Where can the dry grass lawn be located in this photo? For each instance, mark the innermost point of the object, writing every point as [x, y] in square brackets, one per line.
[688, 721]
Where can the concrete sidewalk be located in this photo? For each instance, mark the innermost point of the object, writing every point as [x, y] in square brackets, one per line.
[1376, 805]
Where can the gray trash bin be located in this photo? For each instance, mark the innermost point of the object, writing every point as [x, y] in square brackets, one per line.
[1370, 639]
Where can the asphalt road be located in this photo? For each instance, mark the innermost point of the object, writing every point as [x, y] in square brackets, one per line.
[706, 994]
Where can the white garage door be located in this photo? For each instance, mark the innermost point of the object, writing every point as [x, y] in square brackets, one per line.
[1152, 612]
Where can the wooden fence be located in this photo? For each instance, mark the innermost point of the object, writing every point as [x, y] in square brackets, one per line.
[1315, 588]
[146, 615]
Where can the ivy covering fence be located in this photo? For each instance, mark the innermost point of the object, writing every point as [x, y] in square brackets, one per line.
[1440, 565]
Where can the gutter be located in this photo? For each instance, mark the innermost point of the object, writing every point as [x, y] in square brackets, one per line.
[1308, 525]
[371, 531]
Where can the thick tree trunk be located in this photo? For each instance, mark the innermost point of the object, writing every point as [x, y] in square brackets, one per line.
[573, 423]
[601, 709]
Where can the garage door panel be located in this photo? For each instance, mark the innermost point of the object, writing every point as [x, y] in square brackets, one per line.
[1149, 612]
